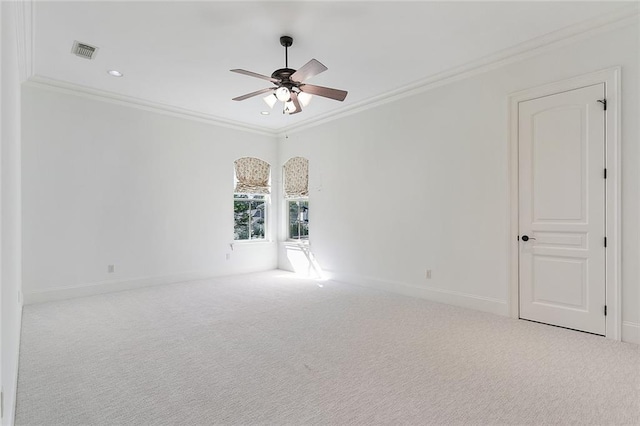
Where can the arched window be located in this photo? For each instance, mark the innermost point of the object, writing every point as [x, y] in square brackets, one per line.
[251, 198]
[296, 194]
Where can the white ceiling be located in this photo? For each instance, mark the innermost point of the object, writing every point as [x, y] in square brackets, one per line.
[179, 54]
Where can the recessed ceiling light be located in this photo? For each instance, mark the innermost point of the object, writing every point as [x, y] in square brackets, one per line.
[115, 73]
[264, 112]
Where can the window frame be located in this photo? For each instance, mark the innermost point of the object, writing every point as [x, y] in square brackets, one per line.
[265, 198]
[290, 238]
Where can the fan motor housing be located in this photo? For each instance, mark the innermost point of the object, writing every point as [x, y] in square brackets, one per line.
[283, 74]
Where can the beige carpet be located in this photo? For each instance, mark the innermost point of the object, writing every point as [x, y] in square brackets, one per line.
[272, 349]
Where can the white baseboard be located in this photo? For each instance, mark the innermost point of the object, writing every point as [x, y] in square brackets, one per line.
[83, 290]
[450, 297]
[631, 332]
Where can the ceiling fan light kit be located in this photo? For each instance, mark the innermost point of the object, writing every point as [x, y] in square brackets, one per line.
[283, 94]
[290, 88]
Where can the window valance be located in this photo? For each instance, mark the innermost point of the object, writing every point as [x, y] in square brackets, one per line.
[296, 177]
[252, 175]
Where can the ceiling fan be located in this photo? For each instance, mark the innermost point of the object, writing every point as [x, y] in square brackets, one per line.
[289, 86]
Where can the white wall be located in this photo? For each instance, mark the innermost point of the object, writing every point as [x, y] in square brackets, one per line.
[11, 307]
[149, 193]
[422, 183]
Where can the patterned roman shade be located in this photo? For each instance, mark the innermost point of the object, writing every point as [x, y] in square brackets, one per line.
[296, 177]
[252, 175]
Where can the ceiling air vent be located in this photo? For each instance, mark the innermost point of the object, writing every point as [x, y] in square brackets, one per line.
[84, 50]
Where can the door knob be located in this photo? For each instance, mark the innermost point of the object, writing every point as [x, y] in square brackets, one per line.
[527, 238]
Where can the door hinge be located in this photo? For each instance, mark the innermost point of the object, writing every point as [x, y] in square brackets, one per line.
[604, 103]
[605, 241]
[605, 310]
[605, 173]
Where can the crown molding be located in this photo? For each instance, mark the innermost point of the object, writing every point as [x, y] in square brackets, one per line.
[572, 34]
[24, 37]
[129, 101]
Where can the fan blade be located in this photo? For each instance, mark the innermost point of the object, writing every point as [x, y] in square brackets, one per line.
[253, 74]
[325, 92]
[308, 70]
[252, 94]
[296, 103]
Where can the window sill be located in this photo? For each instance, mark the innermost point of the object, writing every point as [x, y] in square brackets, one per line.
[295, 243]
[249, 243]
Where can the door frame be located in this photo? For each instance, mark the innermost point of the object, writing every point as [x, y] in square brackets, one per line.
[611, 78]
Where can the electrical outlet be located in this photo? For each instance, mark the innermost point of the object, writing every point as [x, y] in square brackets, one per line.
[428, 274]
[227, 256]
[111, 268]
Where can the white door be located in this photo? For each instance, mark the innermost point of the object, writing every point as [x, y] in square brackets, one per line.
[561, 146]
